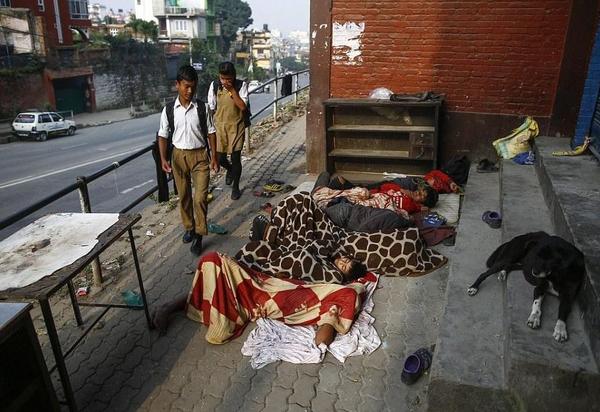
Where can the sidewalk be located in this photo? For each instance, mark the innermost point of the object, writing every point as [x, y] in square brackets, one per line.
[124, 366]
[102, 117]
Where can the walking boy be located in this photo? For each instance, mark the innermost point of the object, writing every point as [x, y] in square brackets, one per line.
[186, 134]
[228, 101]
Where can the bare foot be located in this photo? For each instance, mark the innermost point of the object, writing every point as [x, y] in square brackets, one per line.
[325, 334]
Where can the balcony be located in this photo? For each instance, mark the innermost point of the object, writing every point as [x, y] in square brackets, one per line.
[184, 11]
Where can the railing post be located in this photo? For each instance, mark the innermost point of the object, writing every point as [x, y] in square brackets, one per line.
[161, 176]
[275, 93]
[86, 207]
[296, 89]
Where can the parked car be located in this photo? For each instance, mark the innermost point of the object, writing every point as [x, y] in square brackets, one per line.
[40, 125]
[254, 85]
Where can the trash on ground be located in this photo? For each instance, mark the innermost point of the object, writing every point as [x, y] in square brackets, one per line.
[131, 298]
[216, 228]
[83, 291]
[150, 233]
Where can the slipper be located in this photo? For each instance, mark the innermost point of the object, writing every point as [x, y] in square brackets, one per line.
[260, 193]
[493, 219]
[485, 166]
[415, 364]
[274, 181]
[215, 228]
[273, 187]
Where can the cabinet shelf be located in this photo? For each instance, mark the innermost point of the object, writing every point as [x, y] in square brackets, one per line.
[380, 128]
[372, 154]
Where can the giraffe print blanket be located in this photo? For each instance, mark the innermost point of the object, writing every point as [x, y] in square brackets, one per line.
[302, 239]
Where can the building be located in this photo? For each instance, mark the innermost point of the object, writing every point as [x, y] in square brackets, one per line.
[494, 61]
[253, 47]
[20, 34]
[61, 23]
[179, 21]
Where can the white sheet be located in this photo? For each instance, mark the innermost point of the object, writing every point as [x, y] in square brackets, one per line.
[272, 340]
[49, 244]
[448, 205]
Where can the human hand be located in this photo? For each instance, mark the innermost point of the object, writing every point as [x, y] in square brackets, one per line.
[214, 164]
[454, 187]
[166, 167]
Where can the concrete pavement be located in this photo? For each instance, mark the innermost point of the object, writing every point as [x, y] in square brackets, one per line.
[124, 366]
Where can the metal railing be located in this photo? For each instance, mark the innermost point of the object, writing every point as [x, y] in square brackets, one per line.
[82, 183]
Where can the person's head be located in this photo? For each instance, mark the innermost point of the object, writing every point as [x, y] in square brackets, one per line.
[187, 81]
[351, 268]
[227, 72]
[426, 195]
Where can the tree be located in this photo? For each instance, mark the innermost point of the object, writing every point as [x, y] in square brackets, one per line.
[148, 29]
[203, 53]
[290, 63]
[234, 15]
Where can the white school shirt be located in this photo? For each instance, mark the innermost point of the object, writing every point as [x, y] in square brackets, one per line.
[212, 100]
[187, 134]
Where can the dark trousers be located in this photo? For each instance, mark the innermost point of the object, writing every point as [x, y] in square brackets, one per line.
[234, 168]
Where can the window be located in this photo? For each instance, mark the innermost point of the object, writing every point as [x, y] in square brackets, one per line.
[40, 4]
[180, 25]
[79, 9]
[45, 118]
[55, 117]
[25, 118]
[4, 3]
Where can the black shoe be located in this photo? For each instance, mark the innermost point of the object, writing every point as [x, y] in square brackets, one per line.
[228, 178]
[188, 236]
[196, 247]
[235, 194]
[259, 226]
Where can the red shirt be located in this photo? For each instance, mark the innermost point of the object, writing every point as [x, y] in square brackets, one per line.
[441, 181]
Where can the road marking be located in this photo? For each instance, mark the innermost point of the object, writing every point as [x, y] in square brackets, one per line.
[136, 186]
[28, 179]
[74, 146]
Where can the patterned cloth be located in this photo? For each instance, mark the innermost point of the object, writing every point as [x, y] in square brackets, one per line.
[297, 223]
[395, 201]
[226, 296]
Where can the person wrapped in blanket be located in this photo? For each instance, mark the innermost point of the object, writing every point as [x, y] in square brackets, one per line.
[225, 295]
[386, 195]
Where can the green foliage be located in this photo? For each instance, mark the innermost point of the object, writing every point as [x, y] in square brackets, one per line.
[260, 74]
[290, 63]
[210, 59]
[233, 14]
[148, 29]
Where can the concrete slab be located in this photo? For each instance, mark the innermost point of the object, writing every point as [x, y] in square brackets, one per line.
[530, 351]
[572, 193]
[468, 367]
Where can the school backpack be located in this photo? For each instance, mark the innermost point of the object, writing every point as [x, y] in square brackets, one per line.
[201, 107]
[238, 85]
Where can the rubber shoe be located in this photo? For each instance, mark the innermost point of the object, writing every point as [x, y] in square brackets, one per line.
[235, 194]
[414, 366]
[188, 236]
[196, 247]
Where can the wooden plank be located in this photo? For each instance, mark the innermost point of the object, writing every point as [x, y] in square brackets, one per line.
[378, 102]
[376, 154]
[379, 128]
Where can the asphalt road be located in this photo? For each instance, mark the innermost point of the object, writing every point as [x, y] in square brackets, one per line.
[31, 171]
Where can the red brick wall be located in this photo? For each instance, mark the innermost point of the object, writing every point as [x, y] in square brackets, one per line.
[501, 57]
[31, 94]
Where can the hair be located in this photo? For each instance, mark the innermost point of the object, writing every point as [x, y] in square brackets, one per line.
[188, 73]
[358, 270]
[431, 196]
[227, 69]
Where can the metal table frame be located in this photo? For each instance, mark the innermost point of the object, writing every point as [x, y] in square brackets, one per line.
[46, 287]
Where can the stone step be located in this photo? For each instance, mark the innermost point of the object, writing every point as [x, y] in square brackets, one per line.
[534, 355]
[571, 187]
[468, 367]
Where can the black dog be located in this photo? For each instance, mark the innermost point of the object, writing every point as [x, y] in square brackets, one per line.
[549, 263]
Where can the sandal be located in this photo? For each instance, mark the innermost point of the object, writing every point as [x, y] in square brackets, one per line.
[274, 181]
[414, 366]
[260, 193]
[288, 188]
[215, 228]
[273, 187]
[267, 207]
[493, 219]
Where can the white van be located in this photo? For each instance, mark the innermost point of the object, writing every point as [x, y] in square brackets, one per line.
[40, 125]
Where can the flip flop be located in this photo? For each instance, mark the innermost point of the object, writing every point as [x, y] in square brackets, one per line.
[215, 228]
[493, 219]
[288, 188]
[273, 187]
[274, 181]
[434, 220]
[260, 193]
